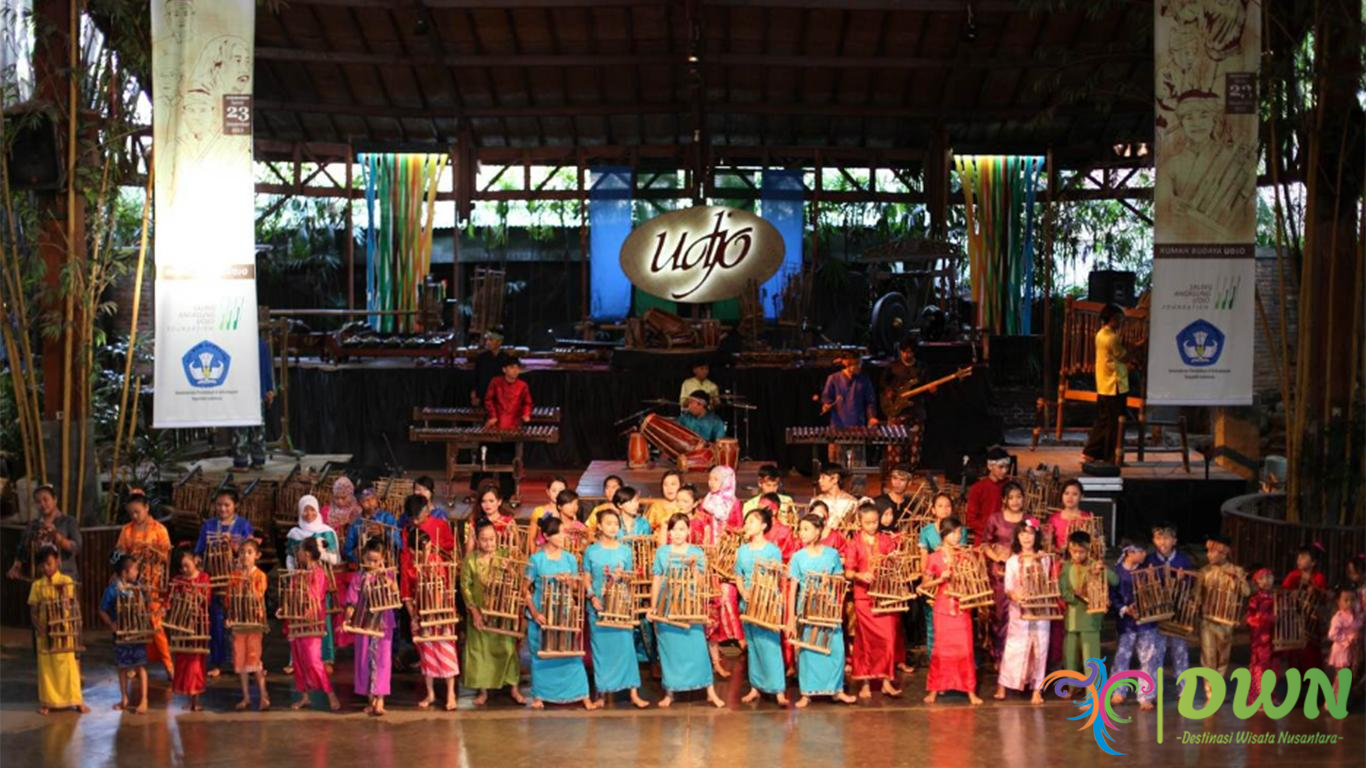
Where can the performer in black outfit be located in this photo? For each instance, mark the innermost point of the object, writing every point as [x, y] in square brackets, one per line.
[902, 375]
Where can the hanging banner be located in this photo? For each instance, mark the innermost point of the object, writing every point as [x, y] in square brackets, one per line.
[207, 352]
[1200, 341]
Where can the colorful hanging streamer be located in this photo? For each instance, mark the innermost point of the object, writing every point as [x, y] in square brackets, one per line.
[999, 195]
[400, 204]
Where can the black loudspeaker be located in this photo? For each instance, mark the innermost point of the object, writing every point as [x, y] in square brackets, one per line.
[1111, 286]
[35, 156]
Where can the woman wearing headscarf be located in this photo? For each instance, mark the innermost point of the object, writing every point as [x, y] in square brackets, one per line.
[343, 510]
[311, 526]
[719, 516]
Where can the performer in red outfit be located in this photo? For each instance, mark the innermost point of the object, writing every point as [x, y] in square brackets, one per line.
[718, 515]
[1261, 622]
[1308, 576]
[508, 405]
[951, 667]
[875, 634]
[984, 497]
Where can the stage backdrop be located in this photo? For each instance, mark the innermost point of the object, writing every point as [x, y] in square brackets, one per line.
[1201, 334]
[206, 345]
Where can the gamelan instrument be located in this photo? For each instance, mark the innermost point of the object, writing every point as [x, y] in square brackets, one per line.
[767, 596]
[219, 558]
[618, 600]
[244, 610]
[1095, 590]
[820, 611]
[133, 616]
[682, 596]
[891, 585]
[187, 617]
[302, 611]
[1152, 594]
[378, 595]
[476, 438]
[1289, 631]
[883, 434]
[504, 602]
[1040, 598]
[671, 438]
[727, 452]
[1223, 603]
[562, 607]
[643, 550]
[968, 581]
[540, 414]
[1186, 597]
[437, 583]
[59, 620]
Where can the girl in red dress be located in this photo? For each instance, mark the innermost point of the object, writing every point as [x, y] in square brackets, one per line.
[718, 516]
[1307, 576]
[189, 674]
[951, 660]
[875, 634]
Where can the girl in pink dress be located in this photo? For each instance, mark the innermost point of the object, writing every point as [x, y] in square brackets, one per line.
[1343, 632]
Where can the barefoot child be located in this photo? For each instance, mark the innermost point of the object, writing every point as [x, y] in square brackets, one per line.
[818, 674]
[1129, 630]
[247, 641]
[683, 655]
[1344, 631]
[374, 654]
[1026, 650]
[437, 656]
[1261, 626]
[59, 673]
[130, 658]
[490, 658]
[307, 652]
[193, 584]
[615, 667]
[951, 667]
[1082, 641]
[764, 646]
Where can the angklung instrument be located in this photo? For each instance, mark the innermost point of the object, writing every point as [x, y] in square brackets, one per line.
[1186, 596]
[1096, 590]
[187, 617]
[968, 581]
[643, 550]
[220, 557]
[437, 582]
[1152, 596]
[767, 596]
[379, 594]
[819, 611]
[891, 585]
[1040, 597]
[374, 530]
[59, 624]
[1289, 629]
[504, 606]
[618, 600]
[244, 608]
[301, 610]
[683, 596]
[133, 616]
[1223, 603]
[562, 607]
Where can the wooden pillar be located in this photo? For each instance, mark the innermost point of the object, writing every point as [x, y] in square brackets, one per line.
[350, 233]
[937, 181]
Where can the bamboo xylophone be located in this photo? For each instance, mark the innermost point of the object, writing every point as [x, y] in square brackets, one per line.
[540, 414]
[767, 596]
[468, 437]
[820, 611]
[562, 607]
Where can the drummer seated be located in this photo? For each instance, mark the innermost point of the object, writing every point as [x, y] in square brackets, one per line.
[698, 417]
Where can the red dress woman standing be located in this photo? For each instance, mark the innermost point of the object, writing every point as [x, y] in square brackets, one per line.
[718, 515]
[875, 634]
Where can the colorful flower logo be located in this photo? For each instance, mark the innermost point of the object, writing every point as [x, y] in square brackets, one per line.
[1096, 711]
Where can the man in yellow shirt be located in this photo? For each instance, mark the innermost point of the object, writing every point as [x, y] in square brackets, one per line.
[1112, 386]
[701, 369]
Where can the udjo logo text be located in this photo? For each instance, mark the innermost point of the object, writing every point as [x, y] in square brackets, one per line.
[1097, 713]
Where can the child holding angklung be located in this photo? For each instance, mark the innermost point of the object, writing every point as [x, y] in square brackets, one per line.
[1025, 656]
[951, 665]
[374, 655]
[941, 506]
[818, 674]
[1122, 596]
[1344, 632]
[130, 659]
[189, 678]
[490, 658]
[717, 517]
[875, 636]
[1216, 640]
[1155, 647]
[437, 657]
[683, 655]
[59, 674]
[764, 646]
[614, 651]
[1261, 624]
[1314, 588]
[1082, 640]
[246, 646]
[307, 652]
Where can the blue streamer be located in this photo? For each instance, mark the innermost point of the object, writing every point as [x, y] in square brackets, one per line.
[782, 204]
[611, 189]
[368, 162]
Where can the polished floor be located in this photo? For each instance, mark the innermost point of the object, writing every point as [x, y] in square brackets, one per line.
[879, 732]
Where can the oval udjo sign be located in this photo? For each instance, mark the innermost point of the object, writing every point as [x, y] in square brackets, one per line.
[701, 254]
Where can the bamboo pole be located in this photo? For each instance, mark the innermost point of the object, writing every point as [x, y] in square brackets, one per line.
[69, 303]
[133, 325]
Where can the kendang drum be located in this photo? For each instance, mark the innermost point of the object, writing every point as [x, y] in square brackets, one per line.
[699, 460]
[671, 438]
[637, 451]
[727, 450]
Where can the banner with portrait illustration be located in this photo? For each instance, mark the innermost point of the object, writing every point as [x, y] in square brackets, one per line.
[1200, 341]
[207, 352]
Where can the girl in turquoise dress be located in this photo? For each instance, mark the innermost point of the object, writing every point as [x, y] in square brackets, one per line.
[683, 651]
[627, 501]
[556, 680]
[942, 506]
[818, 674]
[614, 651]
[764, 646]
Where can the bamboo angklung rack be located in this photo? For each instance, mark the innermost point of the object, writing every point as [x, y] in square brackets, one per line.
[767, 595]
[1152, 595]
[618, 600]
[891, 585]
[820, 611]
[562, 607]
[504, 605]
[133, 618]
[1040, 599]
[1289, 631]
[1185, 599]
[59, 621]
[378, 595]
[1223, 603]
[219, 558]
[1095, 590]
[643, 549]
[301, 610]
[968, 582]
[683, 596]
[437, 615]
[187, 618]
[244, 610]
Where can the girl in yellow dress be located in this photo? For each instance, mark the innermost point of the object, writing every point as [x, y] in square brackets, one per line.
[59, 674]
